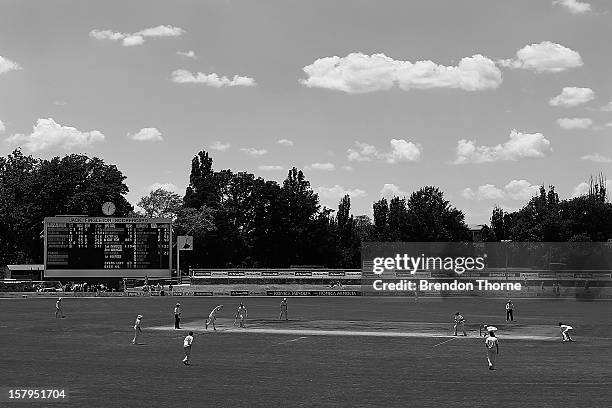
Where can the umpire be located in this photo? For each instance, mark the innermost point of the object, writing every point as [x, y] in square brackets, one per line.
[177, 316]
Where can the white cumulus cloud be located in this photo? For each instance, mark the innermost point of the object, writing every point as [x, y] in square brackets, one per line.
[321, 166]
[597, 158]
[361, 73]
[189, 54]
[2, 126]
[285, 142]
[571, 96]
[220, 146]
[164, 186]
[574, 123]
[137, 38]
[251, 151]
[607, 107]
[339, 192]
[271, 168]
[514, 190]
[391, 190]
[182, 76]
[401, 151]
[47, 135]
[519, 146]
[574, 6]
[147, 135]
[544, 57]
[7, 65]
[583, 188]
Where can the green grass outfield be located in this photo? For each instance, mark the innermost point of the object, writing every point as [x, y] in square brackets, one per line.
[353, 352]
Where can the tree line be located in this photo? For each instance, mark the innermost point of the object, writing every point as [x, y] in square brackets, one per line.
[240, 220]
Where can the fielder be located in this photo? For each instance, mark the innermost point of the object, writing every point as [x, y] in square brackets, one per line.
[459, 323]
[177, 316]
[565, 329]
[509, 311]
[492, 345]
[283, 309]
[187, 347]
[58, 308]
[137, 329]
[241, 314]
[213, 316]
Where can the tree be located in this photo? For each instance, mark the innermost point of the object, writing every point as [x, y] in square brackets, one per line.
[432, 218]
[31, 189]
[161, 203]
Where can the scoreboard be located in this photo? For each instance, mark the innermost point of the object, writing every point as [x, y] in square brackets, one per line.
[108, 247]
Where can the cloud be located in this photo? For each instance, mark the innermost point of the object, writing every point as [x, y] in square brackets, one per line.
[598, 158]
[401, 152]
[574, 123]
[285, 142]
[271, 168]
[364, 152]
[485, 192]
[583, 188]
[544, 57]
[220, 146]
[254, 152]
[391, 190]
[2, 126]
[571, 96]
[321, 166]
[6, 65]
[147, 135]
[360, 73]
[515, 190]
[164, 186]
[189, 54]
[47, 134]
[339, 192]
[521, 189]
[347, 168]
[182, 76]
[520, 146]
[607, 107]
[574, 6]
[137, 38]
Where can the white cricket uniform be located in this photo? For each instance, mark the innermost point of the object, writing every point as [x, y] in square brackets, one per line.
[565, 331]
[136, 331]
[491, 342]
[58, 308]
[459, 324]
[187, 348]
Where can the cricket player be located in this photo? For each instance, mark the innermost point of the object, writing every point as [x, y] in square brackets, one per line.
[565, 329]
[492, 345]
[137, 329]
[177, 316]
[509, 311]
[241, 314]
[213, 316]
[58, 309]
[187, 347]
[459, 323]
[283, 309]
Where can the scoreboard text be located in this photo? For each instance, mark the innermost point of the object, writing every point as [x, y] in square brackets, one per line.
[107, 247]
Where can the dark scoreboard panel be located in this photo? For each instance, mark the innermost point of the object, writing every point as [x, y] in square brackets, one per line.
[107, 247]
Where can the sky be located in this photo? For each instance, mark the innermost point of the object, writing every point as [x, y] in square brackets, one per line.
[486, 99]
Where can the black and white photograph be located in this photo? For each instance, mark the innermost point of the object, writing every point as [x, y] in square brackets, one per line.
[289, 203]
